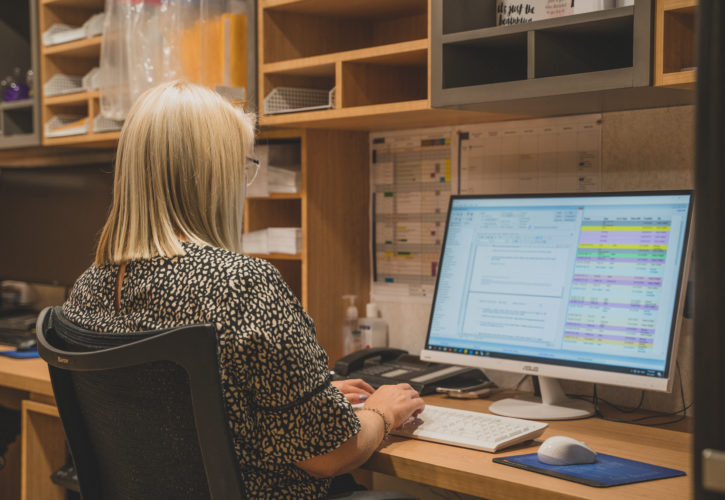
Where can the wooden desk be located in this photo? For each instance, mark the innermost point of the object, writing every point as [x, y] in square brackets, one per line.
[474, 472]
[25, 384]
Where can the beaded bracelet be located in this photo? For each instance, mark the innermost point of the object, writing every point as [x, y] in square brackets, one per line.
[386, 423]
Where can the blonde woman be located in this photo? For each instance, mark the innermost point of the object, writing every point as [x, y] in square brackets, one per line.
[169, 255]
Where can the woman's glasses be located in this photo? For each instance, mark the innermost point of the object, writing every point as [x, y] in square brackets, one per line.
[251, 169]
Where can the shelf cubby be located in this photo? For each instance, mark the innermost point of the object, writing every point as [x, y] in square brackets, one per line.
[19, 120]
[273, 212]
[468, 15]
[675, 52]
[584, 47]
[304, 28]
[485, 60]
[394, 77]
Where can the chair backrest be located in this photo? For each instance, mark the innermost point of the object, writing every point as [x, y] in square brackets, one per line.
[143, 412]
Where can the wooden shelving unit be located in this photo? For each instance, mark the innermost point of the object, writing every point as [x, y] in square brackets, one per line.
[332, 211]
[592, 62]
[76, 58]
[675, 51]
[374, 53]
[20, 120]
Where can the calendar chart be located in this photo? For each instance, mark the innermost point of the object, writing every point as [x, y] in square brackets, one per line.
[411, 185]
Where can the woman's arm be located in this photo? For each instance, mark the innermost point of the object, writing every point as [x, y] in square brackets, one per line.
[352, 453]
[396, 402]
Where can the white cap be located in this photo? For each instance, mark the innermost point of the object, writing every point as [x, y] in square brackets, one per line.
[351, 311]
[371, 310]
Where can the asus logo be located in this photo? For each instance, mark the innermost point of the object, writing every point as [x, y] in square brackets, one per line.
[62, 360]
[528, 368]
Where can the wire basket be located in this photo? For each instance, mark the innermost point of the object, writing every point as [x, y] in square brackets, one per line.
[293, 100]
[94, 25]
[62, 84]
[62, 33]
[103, 124]
[65, 125]
[91, 81]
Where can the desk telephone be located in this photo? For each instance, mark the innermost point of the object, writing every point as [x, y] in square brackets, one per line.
[383, 365]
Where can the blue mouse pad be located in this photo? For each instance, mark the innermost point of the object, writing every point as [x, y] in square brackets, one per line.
[20, 354]
[608, 470]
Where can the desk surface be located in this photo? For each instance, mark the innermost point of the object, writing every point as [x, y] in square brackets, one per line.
[25, 374]
[473, 472]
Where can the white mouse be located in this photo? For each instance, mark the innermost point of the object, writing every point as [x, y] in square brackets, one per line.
[562, 450]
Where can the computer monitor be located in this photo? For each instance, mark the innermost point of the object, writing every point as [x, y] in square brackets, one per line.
[50, 221]
[586, 287]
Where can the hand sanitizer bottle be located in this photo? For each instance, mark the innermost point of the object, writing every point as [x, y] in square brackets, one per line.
[374, 330]
[351, 337]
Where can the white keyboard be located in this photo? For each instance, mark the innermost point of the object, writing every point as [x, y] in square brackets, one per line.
[469, 429]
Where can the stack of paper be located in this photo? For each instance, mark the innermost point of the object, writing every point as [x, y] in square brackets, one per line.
[287, 240]
[283, 180]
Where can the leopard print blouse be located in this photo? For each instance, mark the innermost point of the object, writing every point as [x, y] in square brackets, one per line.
[280, 406]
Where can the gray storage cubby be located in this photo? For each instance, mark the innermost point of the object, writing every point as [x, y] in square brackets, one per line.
[467, 15]
[19, 120]
[485, 60]
[592, 62]
[599, 45]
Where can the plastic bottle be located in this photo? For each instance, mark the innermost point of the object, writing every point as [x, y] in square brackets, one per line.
[374, 330]
[351, 337]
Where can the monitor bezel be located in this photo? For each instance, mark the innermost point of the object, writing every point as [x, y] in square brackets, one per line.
[558, 371]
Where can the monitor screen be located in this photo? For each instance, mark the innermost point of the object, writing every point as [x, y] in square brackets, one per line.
[584, 287]
[50, 220]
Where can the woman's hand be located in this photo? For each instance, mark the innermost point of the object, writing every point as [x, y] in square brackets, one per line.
[398, 402]
[355, 390]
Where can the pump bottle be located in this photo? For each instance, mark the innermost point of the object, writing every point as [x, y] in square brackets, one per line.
[351, 336]
[374, 330]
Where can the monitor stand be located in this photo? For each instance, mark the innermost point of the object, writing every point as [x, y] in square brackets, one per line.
[553, 404]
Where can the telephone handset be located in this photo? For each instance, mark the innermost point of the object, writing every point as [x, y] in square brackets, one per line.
[385, 365]
[356, 360]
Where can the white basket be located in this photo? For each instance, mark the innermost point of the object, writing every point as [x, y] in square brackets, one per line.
[62, 33]
[293, 100]
[91, 81]
[65, 125]
[62, 84]
[103, 124]
[94, 25]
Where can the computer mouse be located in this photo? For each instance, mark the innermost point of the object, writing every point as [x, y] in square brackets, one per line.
[26, 345]
[563, 450]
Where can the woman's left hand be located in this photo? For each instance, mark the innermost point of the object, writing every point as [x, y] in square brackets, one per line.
[355, 390]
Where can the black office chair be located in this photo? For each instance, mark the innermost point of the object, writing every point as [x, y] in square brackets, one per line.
[143, 412]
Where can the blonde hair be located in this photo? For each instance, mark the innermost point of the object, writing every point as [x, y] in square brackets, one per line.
[179, 175]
